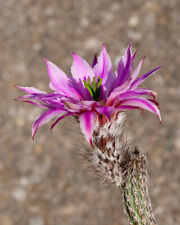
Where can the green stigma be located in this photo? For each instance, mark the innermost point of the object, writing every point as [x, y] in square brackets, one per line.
[93, 88]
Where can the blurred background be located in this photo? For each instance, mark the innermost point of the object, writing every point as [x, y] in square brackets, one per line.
[46, 182]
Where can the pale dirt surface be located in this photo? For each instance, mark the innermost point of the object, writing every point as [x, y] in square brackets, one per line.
[46, 182]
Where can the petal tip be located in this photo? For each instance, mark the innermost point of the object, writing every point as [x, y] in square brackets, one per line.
[19, 87]
[129, 46]
[90, 141]
[103, 46]
[144, 58]
[33, 135]
[160, 120]
[47, 62]
[51, 128]
[34, 130]
[74, 54]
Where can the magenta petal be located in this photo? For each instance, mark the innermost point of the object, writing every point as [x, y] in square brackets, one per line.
[59, 79]
[78, 107]
[145, 91]
[137, 70]
[31, 90]
[87, 120]
[130, 94]
[33, 103]
[124, 67]
[105, 110]
[108, 86]
[60, 118]
[125, 108]
[44, 118]
[154, 101]
[142, 78]
[82, 106]
[143, 104]
[117, 91]
[133, 57]
[60, 82]
[82, 90]
[80, 69]
[90, 103]
[103, 66]
[94, 62]
[103, 69]
[72, 107]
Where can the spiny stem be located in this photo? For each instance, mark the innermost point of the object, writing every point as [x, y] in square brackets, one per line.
[114, 160]
[135, 192]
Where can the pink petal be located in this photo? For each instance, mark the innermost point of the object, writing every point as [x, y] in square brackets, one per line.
[105, 110]
[78, 107]
[75, 107]
[31, 90]
[103, 69]
[87, 121]
[142, 78]
[59, 79]
[91, 104]
[60, 82]
[80, 69]
[143, 104]
[145, 91]
[103, 66]
[34, 103]
[133, 57]
[44, 118]
[125, 108]
[137, 70]
[117, 91]
[130, 94]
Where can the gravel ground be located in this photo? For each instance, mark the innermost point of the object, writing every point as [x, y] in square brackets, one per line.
[46, 182]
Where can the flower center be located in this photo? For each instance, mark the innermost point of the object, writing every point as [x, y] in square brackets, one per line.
[93, 87]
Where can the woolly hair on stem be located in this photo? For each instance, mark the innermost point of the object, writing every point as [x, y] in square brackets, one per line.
[115, 162]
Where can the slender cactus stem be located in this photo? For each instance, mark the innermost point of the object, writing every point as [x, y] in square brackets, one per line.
[135, 191]
[114, 160]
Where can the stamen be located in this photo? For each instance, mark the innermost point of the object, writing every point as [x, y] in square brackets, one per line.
[93, 88]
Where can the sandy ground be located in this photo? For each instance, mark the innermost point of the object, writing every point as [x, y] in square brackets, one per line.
[46, 182]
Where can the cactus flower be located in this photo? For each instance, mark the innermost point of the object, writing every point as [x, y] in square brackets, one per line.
[92, 91]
